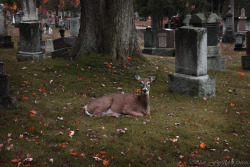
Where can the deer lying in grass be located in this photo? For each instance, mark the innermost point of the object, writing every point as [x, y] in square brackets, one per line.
[123, 104]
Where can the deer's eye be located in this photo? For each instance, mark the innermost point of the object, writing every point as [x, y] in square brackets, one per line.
[148, 83]
[142, 83]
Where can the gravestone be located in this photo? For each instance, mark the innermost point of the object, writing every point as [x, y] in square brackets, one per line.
[6, 101]
[228, 36]
[5, 40]
[19, 18]
[67, 24]
[210, 21]
[186, 21]
[239, 39]
[245, 60]
[49, 46]
[62, 46]
[164, 38]
[74, 26]
[29, 30]
[190, 75]
[242, 22]
[160, 42]
[149, 38]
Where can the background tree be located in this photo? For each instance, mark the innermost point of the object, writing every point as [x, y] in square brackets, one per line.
[157, 9]
[107, 27]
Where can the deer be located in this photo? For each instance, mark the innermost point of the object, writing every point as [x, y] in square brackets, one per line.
[116, 105]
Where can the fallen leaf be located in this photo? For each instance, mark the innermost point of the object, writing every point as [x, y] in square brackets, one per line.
[82, 155]
[182, 165]
[74, 153]
[203, 145]
[15, 160]
[105, 162]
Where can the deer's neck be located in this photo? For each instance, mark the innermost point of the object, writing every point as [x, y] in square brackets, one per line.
[144, 101]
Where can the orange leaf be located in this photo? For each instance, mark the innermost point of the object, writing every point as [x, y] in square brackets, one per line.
[203, 145]
[182, 165]
[102, 152]
[105, 162]
[15, 160]
[32, 128]
[232, 104]
[33, 112]
[72, 153]
[129, 58]
[138, 90]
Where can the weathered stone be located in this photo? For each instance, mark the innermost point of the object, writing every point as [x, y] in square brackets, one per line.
[213, 51]
[5, 40]
[29, 10]
[242, 22]
[239, 46]
[228, 36]
[149, 38]
[186, 21]
[202, 86]
[191, 51]
[49, 46]
[209, 21]
[191, 64]
[61, 53]
[169, 52]
[164, 38]
[29, 37]
[74, 26]
[216, 63]
[245, 60]
[5, 100]
[64, 42]
[27, 56]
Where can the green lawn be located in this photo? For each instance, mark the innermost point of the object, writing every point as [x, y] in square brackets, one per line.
[181, 130]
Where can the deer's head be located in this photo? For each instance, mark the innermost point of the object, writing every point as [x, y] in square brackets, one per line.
[145, 83]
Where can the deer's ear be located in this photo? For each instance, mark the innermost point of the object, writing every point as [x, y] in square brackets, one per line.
[137, 77]
[153, 78]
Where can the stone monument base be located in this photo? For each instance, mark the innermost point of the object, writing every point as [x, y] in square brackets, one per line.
[216, 63]
[202, 86]
[5, 42]
[228, 37]
[61, 53]
[26, 56]
[170, 52]
[213, 51]
[245, 60]
[8, 102]
[239, 47]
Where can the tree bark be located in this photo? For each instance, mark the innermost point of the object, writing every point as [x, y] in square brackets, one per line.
[156, 22]
[107, 26]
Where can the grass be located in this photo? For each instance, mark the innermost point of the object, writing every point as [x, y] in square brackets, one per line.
[58, 89]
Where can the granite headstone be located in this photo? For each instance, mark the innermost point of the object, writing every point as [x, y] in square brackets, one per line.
[190, 75]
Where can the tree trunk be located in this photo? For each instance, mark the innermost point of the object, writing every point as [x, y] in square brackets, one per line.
[107, 26]
[156, 22]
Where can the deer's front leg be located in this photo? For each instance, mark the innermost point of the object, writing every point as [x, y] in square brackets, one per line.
[128, 111]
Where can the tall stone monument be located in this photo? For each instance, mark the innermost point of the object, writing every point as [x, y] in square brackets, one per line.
[245, 60]
[190, 75]
[242, 22]
[74, 26]
[6, 101]
[210, 21]
[5, 40]
[30, 46]
[228, 36]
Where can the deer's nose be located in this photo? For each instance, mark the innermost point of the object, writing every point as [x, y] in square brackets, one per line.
[144, 90]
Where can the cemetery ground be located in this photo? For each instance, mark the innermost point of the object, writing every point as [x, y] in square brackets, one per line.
[50, 129]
